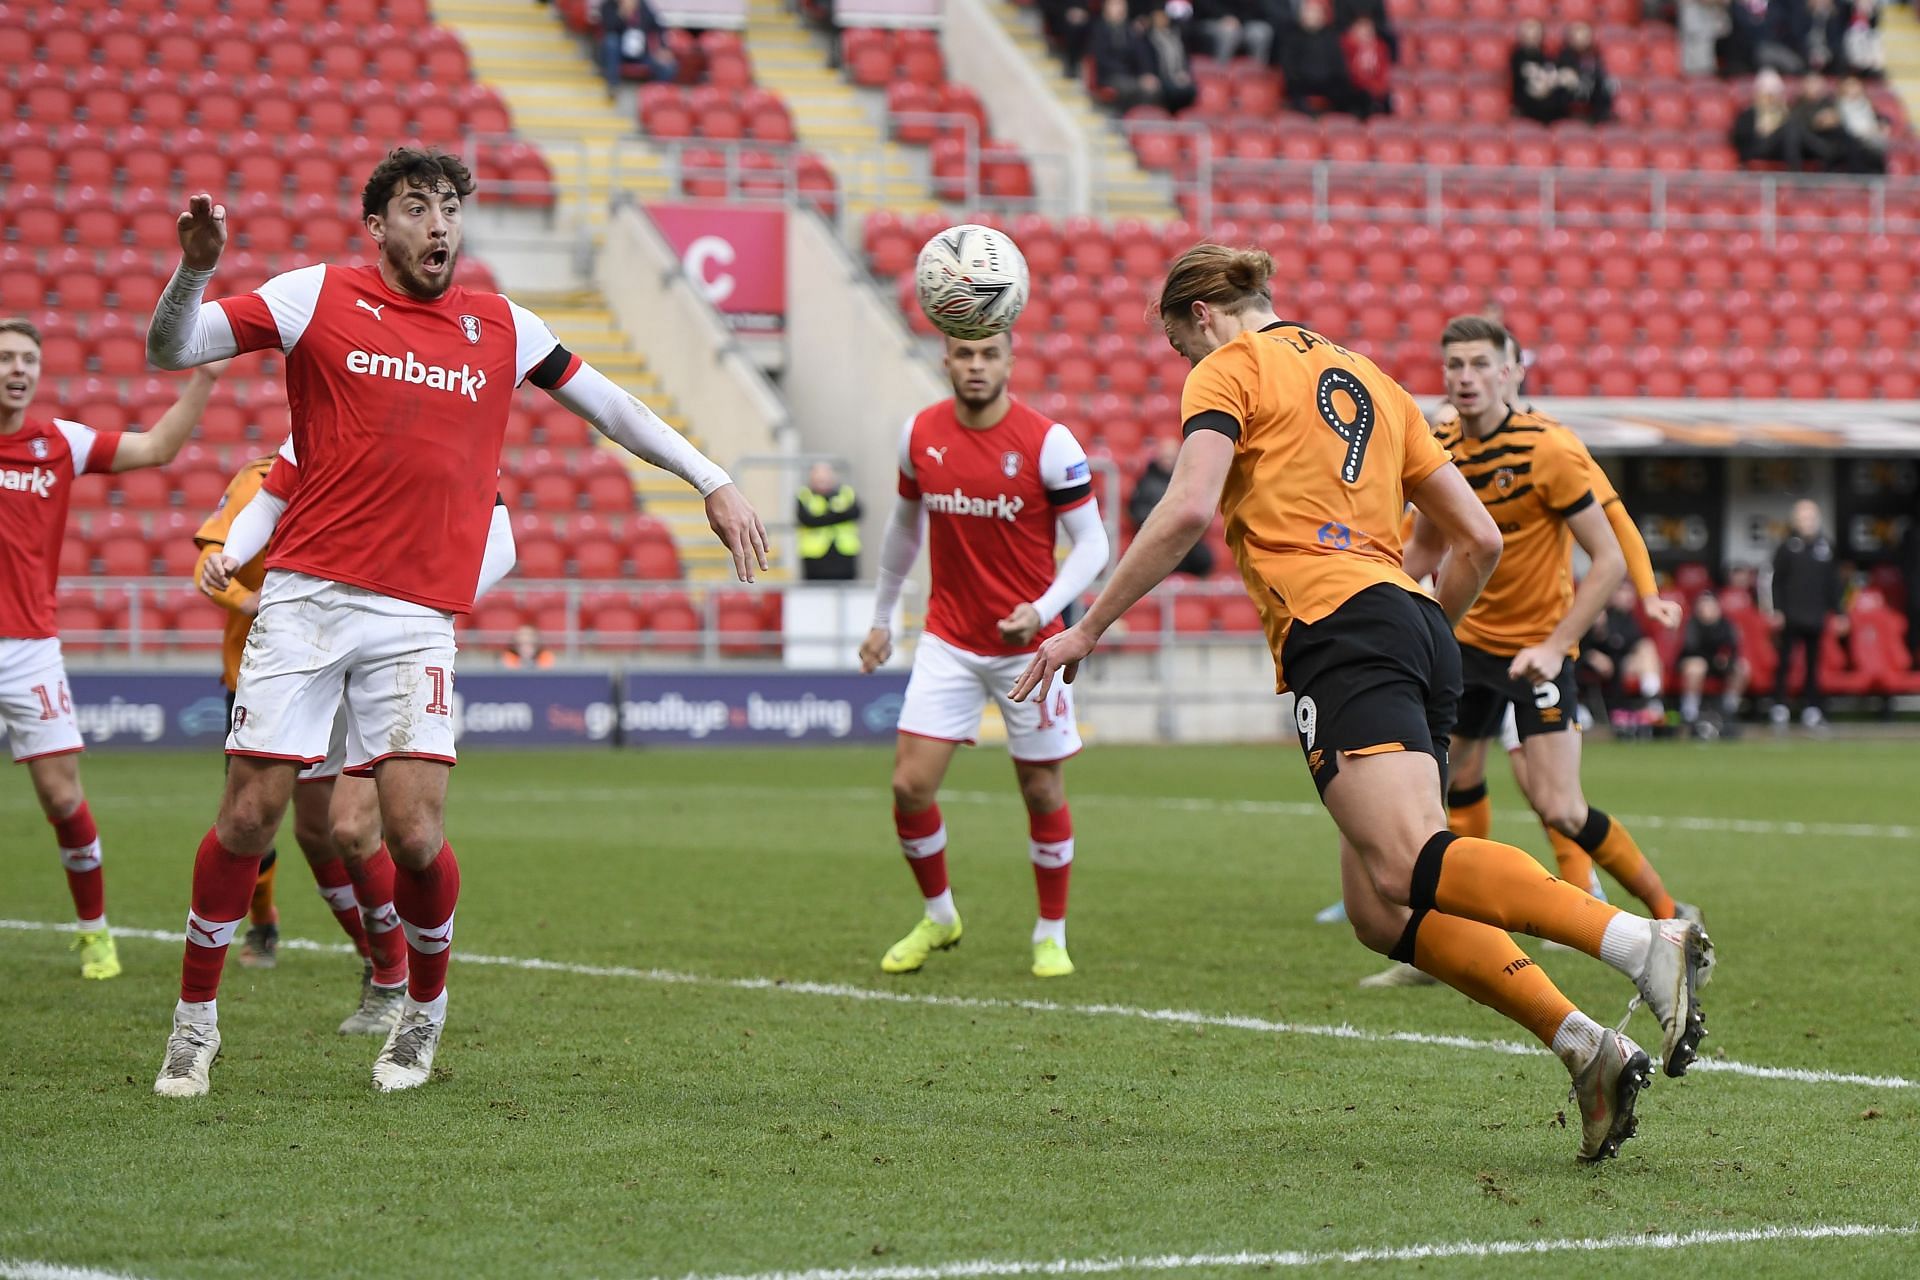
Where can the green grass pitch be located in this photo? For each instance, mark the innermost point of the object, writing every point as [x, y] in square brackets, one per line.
[628, 1123]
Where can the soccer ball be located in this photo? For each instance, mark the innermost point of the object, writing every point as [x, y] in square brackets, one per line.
[972, 281]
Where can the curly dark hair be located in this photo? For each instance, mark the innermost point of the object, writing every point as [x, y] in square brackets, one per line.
[412, 168]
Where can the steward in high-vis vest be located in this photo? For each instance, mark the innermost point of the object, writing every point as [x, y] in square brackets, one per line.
[828, 513]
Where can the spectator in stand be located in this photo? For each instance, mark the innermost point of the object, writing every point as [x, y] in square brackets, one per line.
[1348, 12]
[1617, 656]
[1821, 29]
[526, 651]
[1150, 488]
[1803, 592]
[1704, 25]
[1762, 38]
[1763, 132]
[631, 35]
[1369, 69]
[1861, 49]
[1818, 135]
[1167, 56]
[1583, 76]
[1122, 63]
[1537, 94]
[1710, 646]
[1069, 26]
[828, 513]
[1235, 26]
[1313, 64]
[1909, 562]
[1866, 129]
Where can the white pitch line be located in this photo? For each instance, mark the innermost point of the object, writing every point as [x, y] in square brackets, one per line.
[1178, 1017]
[1171, 804]
[1299, 1258]
[27, 1269]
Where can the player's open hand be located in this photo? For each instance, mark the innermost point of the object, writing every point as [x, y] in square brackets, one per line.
[875, 650]
[1663, 611]
[203, 233]
[1062, 653]
[217, 572]
[1536, 664]
[735, 522]
[1019, 628]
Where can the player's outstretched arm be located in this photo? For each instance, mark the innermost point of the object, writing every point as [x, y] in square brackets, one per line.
[637, 429]
[159, 444]
[186, 331]
[899, 548]
[230, 595]
[1472, 540]
[501, 553]
[1608, 568]
[1086, 557]
[1164, 540]
[247, 537]
[1640, 567]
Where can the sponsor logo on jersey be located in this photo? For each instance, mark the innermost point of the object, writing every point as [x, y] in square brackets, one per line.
[1335, 535]
[362, 302]
[938, 455]
[470, 325]
[959, 503]
[38, 482]
[38, 448]
[465, 381]
[1079, 471]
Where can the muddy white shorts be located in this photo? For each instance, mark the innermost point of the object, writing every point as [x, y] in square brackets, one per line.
[317, 646]
[950, 687]
[36, 708]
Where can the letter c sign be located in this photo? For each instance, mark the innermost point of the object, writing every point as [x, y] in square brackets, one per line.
[719, 253]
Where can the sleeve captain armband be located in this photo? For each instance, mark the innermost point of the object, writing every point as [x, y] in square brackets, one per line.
[1212, 420]
[552, 371]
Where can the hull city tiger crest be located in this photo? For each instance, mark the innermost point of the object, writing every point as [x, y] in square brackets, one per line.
[470, 325]
[1503, 480]
[1010, 464]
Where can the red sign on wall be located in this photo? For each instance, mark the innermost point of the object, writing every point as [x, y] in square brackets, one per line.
[737, 257]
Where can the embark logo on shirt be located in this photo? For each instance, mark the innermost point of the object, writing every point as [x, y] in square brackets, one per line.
[38, 482]
[464, 381]
[958, 503]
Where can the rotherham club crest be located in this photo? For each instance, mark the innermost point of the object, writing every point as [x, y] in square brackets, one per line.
[470, 325]
[1010, 464]
[38, 448]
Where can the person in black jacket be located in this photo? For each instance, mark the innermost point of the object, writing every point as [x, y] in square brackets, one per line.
[1710, 646]
[1805, 590]
[1313, 64]
[1147, 492]
[1583, 75]
[1122, 63]
[1537, 93]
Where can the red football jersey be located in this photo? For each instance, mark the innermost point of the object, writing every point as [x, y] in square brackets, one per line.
[399, 412]
[37, 467]
[992, 499]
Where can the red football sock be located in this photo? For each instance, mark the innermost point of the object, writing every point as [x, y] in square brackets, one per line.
[80, 855]
[923, 838]
[373, 886]
[425, 900]
[336, 886]
[222, 886]
[1050, 846]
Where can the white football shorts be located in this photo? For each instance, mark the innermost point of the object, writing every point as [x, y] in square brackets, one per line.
[322, 651]
[949, 689]
[36, 707]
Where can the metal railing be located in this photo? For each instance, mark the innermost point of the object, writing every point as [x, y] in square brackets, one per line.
[1325, 191]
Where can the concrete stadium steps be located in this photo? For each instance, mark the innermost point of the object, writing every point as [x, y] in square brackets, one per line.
[831, 117]
[1129, 190]
[547, 78]
[1900, 32]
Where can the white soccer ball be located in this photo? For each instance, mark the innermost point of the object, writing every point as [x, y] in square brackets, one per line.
[972, 281]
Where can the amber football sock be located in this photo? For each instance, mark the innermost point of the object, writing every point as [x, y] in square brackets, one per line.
[1609, 844]
[1500, 885]
[1469, 812]
[1484, 964]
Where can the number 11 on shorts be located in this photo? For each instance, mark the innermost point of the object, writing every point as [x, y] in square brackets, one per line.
[437, 696]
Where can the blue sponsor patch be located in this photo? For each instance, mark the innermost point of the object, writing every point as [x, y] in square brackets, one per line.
[1079, 471]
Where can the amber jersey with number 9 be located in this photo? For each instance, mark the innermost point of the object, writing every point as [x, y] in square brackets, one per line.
[1327, 448]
